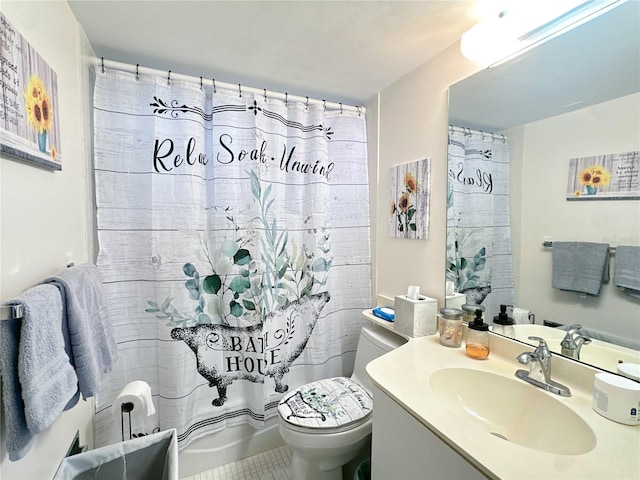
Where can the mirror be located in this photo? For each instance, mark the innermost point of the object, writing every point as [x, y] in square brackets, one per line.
[575, 96]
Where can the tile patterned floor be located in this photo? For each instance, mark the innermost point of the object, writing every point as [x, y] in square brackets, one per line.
[269, 465]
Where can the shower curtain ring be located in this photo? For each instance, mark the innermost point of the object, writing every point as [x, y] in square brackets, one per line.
[340, 108]
[214, 85]
[306, 104]
[137, 71]
[200, 83]
[324, 105]
[240, 90]
[169, 78]
[265, 94]
[359, 110]
[286, 98]
[102, 64]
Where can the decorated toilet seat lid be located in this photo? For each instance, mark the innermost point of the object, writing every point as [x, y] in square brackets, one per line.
[325, 404]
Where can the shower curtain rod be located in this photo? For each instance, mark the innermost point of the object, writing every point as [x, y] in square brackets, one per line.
[101, 63]
[470, 132]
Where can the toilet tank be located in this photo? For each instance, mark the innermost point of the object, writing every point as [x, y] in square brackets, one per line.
[374, 341]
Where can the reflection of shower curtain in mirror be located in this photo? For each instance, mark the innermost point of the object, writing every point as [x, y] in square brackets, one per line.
[478, 232]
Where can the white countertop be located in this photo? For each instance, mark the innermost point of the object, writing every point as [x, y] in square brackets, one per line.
[404, 373]
[384, 323]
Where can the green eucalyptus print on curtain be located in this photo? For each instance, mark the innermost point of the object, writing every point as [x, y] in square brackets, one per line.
[478, 232]
[234, 245]
[291, 271]
[233, 286]
[233, 298]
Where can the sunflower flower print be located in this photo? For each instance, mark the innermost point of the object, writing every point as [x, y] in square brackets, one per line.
[404, 209]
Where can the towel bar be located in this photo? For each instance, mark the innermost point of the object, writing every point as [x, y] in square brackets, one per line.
[9, 312]
[549, 244]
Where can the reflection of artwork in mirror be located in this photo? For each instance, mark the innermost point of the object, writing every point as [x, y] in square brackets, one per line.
[604, 177]
[409, 188]
[478, 232]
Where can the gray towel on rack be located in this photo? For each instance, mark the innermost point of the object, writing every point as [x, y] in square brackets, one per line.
[627, 269]
[19, 438]
[91, 331]
[580, 266]
[38, 378]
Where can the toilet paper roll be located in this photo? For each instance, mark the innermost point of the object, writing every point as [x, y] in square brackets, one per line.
[520, 316]
[137, 393]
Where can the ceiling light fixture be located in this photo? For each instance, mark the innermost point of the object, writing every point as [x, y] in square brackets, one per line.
[523, 24]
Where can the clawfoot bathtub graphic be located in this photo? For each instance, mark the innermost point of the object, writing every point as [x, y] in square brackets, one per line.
[225, 354]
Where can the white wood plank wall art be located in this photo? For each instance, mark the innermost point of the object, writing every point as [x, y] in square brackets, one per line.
[410, 188]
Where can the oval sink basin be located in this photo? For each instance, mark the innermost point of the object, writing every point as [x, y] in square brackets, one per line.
[513, 410]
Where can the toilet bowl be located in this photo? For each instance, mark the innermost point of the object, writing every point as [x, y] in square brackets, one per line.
[327, 423]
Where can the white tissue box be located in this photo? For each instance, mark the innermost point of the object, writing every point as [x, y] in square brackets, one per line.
[415, 318]
[456, 300]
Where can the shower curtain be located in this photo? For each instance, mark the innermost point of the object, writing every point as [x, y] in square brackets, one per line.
[233, 236]
[479, 261]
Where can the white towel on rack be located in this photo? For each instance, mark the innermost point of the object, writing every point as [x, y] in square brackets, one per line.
[91, 332]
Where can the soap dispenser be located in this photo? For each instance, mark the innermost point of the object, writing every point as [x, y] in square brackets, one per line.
[503, 324]
[477, 344]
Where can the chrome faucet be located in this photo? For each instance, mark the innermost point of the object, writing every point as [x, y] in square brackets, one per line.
[539, 373]
[573, 342]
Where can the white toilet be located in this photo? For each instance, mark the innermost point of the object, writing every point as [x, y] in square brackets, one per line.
[326, 423]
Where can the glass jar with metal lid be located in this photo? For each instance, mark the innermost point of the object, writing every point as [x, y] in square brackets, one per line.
[469, 312]
[450, 327]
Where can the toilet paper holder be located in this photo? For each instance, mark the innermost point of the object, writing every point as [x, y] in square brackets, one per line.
[531, 316]
[135, 395]
[127, 408]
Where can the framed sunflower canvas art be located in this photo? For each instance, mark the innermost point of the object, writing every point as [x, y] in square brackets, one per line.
[409, 187]
[605, 177]
[29, 119]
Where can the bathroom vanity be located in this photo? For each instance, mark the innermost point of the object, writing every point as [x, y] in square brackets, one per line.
[441, 414]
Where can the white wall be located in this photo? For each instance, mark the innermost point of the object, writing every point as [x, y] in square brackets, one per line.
[543, 213]
[413, 116]
[45, 216]
[373, 118]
